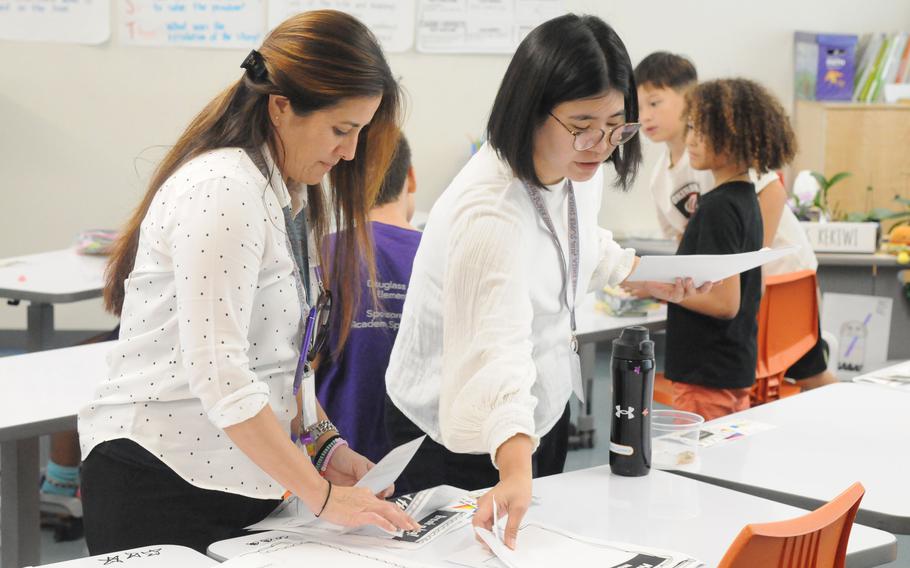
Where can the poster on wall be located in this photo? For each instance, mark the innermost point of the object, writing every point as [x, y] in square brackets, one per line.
[56, 21]
[392, 21]
[237, 24]
[862, 327]
[480, 26]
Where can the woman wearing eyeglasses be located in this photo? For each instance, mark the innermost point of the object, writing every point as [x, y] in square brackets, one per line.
[485, 360]
[189, 438]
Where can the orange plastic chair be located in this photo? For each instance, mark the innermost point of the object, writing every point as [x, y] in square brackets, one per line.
[816, 540]
[787, 330]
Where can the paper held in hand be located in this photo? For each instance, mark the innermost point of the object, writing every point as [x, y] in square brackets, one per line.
[292, 513]
[703, 268]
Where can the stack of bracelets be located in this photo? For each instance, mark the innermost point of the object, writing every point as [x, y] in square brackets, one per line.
[313, 433]
[328, 450]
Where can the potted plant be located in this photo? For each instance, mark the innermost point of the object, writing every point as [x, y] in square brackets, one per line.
[828, 229]
[810, 196]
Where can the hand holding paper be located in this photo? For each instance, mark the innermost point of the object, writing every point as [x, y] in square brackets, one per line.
[512, 497]
[676, 292]
[702, 268]
[353, 506]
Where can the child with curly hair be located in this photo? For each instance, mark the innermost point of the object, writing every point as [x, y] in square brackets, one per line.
[733, 125]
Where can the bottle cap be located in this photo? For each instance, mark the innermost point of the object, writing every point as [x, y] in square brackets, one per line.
[633, 344]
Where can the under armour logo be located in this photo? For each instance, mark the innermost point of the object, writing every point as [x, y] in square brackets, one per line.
[637, 369]
[630, 414]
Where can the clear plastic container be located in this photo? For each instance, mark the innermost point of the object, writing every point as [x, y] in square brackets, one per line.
[674, 438]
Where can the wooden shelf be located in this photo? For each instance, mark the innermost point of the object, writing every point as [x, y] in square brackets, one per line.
[870, 140]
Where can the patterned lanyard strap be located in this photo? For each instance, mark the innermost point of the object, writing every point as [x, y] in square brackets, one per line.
[570, 268]
[297, 231]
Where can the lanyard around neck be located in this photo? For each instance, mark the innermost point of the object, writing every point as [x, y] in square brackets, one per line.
[570, 268]
[297, 231]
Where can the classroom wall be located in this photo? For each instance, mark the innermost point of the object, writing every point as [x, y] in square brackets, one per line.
[82, 127]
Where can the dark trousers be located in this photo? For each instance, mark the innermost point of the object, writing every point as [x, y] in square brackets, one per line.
[131, 499]
[435, 465]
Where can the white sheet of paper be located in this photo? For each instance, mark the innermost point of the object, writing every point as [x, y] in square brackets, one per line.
[290, 514]
[714, 434]
[294, 514]
[296, 554]
[390, 467]
[542, 546]
[703, 268]
[505, 554]
[255, 560]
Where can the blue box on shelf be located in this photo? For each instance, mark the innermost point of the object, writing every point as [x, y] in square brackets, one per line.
[825, 65]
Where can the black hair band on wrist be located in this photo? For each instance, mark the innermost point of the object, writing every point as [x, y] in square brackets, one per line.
[326, 502]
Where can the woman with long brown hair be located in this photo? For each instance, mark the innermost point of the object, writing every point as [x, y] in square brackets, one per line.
[218, 284]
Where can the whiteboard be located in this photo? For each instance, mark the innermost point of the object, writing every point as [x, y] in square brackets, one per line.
[391, 20]
[480, 26]
[59, 21]
[228, 24]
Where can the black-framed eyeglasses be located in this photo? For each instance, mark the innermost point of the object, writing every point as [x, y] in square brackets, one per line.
[590, 137]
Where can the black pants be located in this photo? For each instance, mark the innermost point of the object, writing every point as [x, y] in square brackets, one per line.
[435, 465]
[131, 499]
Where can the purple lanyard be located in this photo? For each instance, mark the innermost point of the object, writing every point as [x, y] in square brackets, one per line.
[305, 360]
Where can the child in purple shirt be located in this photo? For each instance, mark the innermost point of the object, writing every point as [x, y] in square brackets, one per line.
[350, 384]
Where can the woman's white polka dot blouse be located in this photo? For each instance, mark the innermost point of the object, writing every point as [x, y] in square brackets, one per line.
[210, 329]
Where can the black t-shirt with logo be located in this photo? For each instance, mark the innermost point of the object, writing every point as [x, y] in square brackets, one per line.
[708, 351]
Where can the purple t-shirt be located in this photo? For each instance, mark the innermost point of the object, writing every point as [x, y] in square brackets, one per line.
[351, 388]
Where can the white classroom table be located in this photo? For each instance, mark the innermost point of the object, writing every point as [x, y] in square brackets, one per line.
[160, 556]
[42, 393]
[49, 278]
[595, 327]
[824, 440]
[659, 510]
[900, 372]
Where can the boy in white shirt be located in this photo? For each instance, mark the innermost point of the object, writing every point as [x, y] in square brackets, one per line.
[663, 79]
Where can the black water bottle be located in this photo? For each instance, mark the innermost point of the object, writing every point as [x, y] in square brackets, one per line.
[633, 391]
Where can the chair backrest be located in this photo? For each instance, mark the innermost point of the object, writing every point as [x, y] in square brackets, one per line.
[816, 540]
[787, 328]
[787, 320]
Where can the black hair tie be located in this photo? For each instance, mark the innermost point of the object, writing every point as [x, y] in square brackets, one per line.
[255, 66]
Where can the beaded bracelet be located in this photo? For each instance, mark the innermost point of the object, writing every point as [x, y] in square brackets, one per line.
[325, 464]
[324, 450]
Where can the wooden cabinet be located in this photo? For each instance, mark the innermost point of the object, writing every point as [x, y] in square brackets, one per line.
[870, 140]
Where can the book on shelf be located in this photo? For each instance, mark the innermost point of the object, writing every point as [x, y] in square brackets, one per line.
[882, 60]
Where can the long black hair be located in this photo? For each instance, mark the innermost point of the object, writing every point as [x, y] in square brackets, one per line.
[567, 58]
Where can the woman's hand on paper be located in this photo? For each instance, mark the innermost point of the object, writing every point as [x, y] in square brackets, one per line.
[347, 467]
[356, 506]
